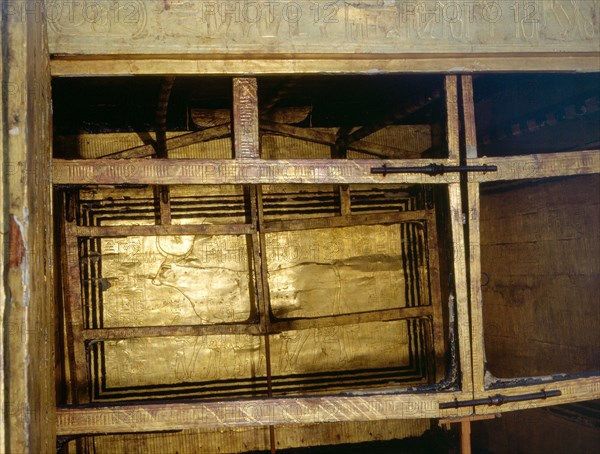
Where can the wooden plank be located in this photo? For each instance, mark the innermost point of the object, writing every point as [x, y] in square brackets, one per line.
[174, 143]
[534, 166]
[384, 315]
[254, 412]
[246, 142]
[75, 324]
[476, 300]
[452, 120]
[347, 221]
[208, 171]
[573, 390]
[465, 437]
[345, 200]
[28, 314]
[273, 29]
[332, 139]
[435, 292]
[160, 331]
[461, 286]
[127, 65]
[108, 231]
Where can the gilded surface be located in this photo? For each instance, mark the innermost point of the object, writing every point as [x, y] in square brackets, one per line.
[207, 279]
[318, 26]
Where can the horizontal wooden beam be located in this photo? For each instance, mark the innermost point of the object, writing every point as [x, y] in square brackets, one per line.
[251, 412]
[123, 65]
[385, 315]
[538, 166]
[108, 231]
[160, 331]
[208, 171]
[572, 390]
[346, 221]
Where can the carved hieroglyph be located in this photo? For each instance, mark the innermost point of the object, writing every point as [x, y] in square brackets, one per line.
[318, 26]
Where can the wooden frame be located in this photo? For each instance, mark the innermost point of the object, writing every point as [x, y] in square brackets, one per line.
[253, 170]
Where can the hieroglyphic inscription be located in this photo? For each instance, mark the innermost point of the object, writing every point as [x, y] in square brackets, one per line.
[317, 26]
[247, 413]
[245, 118]
[205, 171]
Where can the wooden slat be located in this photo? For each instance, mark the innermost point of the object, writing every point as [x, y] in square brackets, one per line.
[539, 166]
[383, 315]
[461, 286]
[435, 292]
[75, 319]
[246, 143]
[108, 231]
[174, 143]
[255, 412]
[125, 65]
[347, 221]
[208, 171]
[332, 139]
[160, 331]
[573, 390]
[452, 120]
[476, 300]
[345, 200]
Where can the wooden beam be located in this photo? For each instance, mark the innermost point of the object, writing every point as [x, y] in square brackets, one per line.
[534, 166]
[249, 412]
[108, 231]
[347, 221]
[572, 390]
[213, 171]
[127, 65]
[452, 119]
[474, 238]
[160, 331]
[245, 118]
[401, 114]
[384, 315]
[332, 139]
[75, 323]
[174, 143]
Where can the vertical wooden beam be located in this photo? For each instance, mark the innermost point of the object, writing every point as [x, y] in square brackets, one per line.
[26, 223]
[439, 341]
[465, 437]
[461, 286]
[344, 192]
[163, 193]
[452, 119]
[246, 141]
[78, 376]
[477, 339]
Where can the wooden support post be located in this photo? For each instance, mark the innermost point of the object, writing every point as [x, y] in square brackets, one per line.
[434, 290]
[465, 437]
[78, 363]
[452, 120]
[245, 118]
[474, 238]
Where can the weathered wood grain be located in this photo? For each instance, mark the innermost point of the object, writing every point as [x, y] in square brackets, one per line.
[207, 171]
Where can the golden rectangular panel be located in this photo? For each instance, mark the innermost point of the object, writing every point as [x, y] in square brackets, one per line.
[324, 272]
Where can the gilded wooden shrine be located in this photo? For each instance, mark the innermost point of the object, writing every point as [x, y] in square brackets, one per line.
[250, 226]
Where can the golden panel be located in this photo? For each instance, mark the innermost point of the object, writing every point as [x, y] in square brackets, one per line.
[315, 273]
[175, 280]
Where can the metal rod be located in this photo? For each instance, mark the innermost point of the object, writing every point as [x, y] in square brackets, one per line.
[433, 169]
[500, 399]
